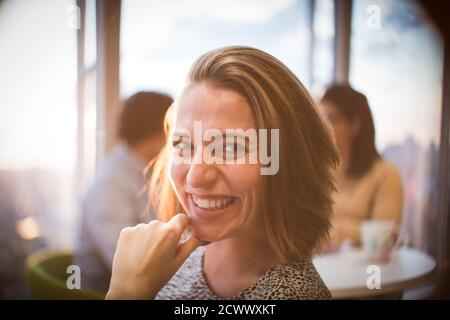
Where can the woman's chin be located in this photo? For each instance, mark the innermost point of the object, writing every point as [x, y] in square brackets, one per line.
[206, 234]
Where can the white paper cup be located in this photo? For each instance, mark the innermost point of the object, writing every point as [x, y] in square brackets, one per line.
[378, 238]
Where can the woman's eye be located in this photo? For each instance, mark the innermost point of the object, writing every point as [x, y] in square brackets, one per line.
[176, 143]
[234, 149]
[181, 147]
[180, 144]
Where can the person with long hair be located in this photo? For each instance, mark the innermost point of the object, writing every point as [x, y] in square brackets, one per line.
[368, 186]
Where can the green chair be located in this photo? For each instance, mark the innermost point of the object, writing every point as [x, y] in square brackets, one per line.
[47, 276]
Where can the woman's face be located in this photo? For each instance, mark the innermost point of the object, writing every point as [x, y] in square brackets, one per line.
[222, 200]
[344, 130]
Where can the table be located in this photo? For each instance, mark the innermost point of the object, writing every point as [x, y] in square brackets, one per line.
[346, 273]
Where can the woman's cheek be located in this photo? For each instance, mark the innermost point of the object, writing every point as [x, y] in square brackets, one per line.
[245, 178]
[175, 177]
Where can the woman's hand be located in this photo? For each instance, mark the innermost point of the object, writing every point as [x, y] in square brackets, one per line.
[147, 256]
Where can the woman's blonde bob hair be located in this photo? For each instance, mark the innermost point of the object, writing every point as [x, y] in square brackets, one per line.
[297, 201]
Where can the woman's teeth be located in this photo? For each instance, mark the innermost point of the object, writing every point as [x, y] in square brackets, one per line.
[209, 204]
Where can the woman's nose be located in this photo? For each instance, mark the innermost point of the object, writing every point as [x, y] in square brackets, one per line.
[201, 174]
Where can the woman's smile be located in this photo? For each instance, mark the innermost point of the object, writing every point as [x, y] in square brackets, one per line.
[210, 206]
[212, 202]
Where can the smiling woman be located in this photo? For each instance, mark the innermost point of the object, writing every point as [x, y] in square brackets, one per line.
[261, 231]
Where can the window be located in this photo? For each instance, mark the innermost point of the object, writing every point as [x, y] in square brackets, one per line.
[161, 39]
[398, 65]
[38, 117]
[87, 95]
[323, 46]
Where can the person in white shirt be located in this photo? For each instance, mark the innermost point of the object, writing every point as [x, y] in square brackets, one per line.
[117, 198]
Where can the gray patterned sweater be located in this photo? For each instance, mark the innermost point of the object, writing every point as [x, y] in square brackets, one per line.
[293, 280]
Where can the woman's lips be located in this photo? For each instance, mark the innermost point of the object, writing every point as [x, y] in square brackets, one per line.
[212, 202]
[211, 205]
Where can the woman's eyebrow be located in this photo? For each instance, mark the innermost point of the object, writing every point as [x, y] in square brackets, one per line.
[226, 135]
[177, 132]
[180, 133]
[235, 135]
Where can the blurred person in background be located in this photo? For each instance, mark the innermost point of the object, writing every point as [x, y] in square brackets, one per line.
[116, 199]
[368, 187]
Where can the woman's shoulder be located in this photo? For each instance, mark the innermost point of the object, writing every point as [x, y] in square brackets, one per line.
[293, 280]
[386, 170]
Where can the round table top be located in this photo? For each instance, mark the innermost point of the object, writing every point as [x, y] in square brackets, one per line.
[346, 274]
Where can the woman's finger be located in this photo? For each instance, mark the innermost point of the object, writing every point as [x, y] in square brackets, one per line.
[186, 248]
[180, 222]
